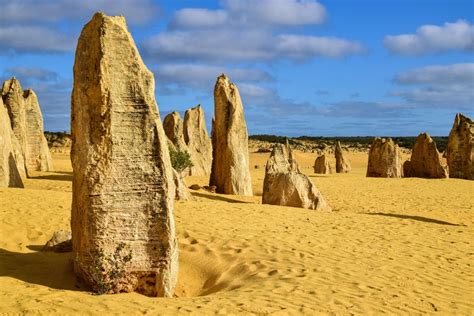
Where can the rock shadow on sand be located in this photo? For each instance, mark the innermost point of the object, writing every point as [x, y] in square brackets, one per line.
[219, 198]
[416, 218]
[56, 176]
[53, 270]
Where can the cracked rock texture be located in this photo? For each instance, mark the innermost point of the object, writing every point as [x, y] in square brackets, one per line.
[122, 222]
[9, 173]
[284, 184]
[385, 159]
[230, 164]
[460, 154]
[27, 125]
[425, 161]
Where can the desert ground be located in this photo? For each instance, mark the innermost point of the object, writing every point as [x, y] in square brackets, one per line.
[396, 246]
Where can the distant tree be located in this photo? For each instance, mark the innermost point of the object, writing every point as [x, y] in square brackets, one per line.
[180, 160]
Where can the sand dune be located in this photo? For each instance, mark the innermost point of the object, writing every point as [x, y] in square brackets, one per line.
[399, 246]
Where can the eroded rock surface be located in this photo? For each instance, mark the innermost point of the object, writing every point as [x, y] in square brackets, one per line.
[285, 185]
[182, 192]
[173, 126]
[9, 173]
[425, 161]
[385, 159]
[322, 166]
[230, 164]
[27, 125]
[61, 241]
[198, 141]
[342, 163]
[123, 191]
[460, 153]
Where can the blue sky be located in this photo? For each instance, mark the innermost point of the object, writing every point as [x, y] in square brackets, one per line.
[303, 67]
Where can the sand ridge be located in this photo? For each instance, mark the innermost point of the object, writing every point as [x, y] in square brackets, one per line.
[398, 246]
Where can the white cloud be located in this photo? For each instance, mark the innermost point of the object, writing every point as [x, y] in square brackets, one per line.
[245, 30]
[438, 74]
[234, 45]
[203, 77]
[198, 18]
[442, 86]
[304, 47]
[262, 13]
[433, 39]
[25, 39]
[30, 11]
[278, 12]
[33, 73]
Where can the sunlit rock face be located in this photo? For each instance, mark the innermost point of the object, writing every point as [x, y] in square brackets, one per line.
[460, 154]
[123, 192]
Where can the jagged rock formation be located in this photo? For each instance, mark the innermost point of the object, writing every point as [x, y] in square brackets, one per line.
[198, 141]
[230, 164]
[460, 153]
[342, 163]
[321, 165]
[61, 241]
[27, 125]
[173, 126]
[9, 173]
[384, 159]
[425, 160]
[38, 156]
[284, 184]
[123, 191]
[181, 190]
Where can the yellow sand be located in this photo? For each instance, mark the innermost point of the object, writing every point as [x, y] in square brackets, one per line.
[399, 246]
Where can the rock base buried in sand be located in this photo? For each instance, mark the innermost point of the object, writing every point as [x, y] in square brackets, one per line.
[285, 185]
[385, 159]
[425, 161]
[322, 166]
[60, 242]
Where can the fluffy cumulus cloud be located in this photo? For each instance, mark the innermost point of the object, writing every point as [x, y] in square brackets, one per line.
[32, 26]
[433, 39]
[28, 11]
[438, 86]
[262, 13]
[203, 77]
[33, 39]
[247, 31]
[438, 74]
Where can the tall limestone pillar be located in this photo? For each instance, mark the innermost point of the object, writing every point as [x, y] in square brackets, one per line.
[122, 210]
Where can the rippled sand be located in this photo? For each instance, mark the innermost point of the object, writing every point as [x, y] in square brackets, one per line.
[399, 246]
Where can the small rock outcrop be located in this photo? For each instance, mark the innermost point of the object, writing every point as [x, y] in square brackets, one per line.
[60, 242]
[198, 141]
[230, 164]
[27, 125]
[9, 173]
[425, 161]
[181, 190]
[322, 166]
[123, 192]
[342, 163]
[191, 136]
[385, 159]
[285, 185]
[460, 153]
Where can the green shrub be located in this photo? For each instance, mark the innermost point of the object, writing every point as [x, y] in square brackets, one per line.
[180, 160]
